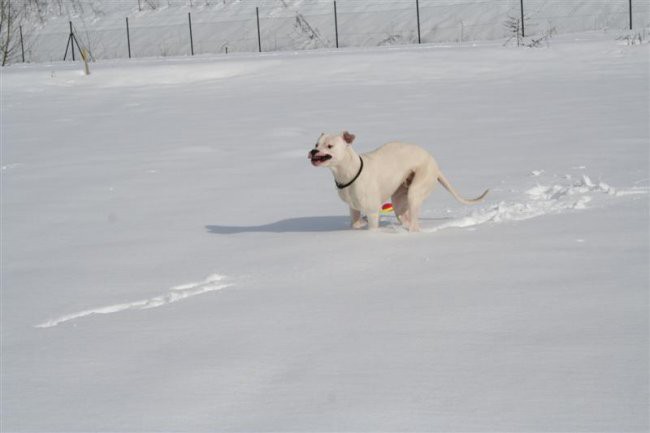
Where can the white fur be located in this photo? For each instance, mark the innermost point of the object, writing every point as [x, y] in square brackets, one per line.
[404, 173]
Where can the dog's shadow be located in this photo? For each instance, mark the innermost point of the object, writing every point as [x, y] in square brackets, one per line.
[315, 224]
[291, 225]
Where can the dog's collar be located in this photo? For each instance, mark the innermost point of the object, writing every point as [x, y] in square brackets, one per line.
[345, 185]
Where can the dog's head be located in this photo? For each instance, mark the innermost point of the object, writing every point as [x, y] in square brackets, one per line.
[330, 148]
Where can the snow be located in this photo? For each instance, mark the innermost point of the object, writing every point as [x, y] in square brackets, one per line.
[541, 200]
[175, 294]
[172, 262]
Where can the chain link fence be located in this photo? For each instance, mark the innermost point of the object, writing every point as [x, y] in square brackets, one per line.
[388, 23]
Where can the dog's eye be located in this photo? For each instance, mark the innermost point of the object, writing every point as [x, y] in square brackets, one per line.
[329, 146]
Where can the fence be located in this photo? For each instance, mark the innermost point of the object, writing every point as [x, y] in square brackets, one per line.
[332, 24]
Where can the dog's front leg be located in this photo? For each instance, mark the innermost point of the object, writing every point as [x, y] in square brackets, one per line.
[357, 221]
[373, 220]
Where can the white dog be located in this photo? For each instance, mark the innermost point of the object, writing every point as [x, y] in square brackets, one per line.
[406, 173]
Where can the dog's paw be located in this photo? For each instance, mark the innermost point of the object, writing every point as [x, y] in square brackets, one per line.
[359, 224]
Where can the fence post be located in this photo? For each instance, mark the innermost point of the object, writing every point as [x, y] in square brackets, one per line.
[259, 37]
[22, 46]
[128, 37]
[72, 41]
[336, 25]
[189, 18]
[523, 32]
[417, 9]
[630, 7]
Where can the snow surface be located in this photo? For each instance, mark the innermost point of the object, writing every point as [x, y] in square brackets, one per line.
[172, 262]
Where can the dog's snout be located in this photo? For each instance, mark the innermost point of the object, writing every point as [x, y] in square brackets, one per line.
[313, 152]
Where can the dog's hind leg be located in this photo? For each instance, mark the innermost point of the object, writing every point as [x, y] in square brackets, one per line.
[401, 204]
[421, 186]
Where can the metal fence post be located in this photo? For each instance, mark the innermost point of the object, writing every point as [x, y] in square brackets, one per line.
[523, 32]
[189, 18]
[72, 41]
[417, 9]
[128, 37]
[259, 37]
[22, 46]
[630, 7]
[336, 26]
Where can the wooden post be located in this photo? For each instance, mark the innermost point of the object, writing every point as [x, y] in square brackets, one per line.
[336, 25]
[84, 56]
[259, 37]
[417, 9]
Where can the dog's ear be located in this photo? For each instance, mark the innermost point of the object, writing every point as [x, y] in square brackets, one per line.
[349, 138]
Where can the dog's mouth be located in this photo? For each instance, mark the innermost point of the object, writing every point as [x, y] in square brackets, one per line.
[317, 160]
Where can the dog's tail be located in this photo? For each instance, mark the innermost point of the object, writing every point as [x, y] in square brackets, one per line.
[444, 182]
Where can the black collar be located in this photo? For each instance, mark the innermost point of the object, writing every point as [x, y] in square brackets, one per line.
[341, 186]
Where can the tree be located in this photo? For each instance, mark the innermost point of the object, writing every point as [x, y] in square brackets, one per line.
[513, 28]
[10, 19]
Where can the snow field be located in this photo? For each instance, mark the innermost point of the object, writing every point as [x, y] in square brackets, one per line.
[528, 312]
